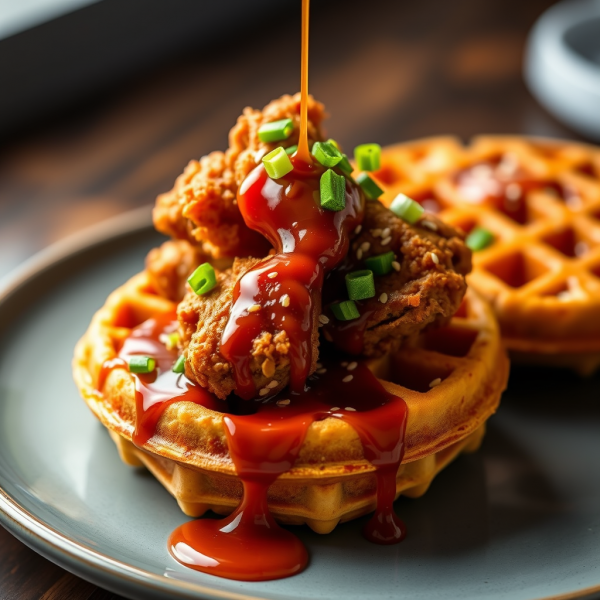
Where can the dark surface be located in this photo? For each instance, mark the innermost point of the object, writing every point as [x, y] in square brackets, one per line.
[400, 71]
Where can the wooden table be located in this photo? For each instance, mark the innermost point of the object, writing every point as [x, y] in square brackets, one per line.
[403, 71]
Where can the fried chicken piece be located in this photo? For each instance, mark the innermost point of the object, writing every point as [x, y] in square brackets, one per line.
[202, 206]
[427, 289]
[202, 320]
[169, 266]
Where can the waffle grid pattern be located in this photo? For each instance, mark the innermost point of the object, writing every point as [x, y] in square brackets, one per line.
[542, 271]
[451, 380]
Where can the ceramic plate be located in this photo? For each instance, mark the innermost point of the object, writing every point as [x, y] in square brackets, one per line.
[518, 520]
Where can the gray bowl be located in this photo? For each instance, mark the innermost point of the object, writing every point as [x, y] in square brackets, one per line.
[562, 64]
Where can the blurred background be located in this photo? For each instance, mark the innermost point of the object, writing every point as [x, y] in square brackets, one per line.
[103, 102]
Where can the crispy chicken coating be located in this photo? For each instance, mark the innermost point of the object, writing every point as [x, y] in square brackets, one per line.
[426, 286]
[202, 206]
[169, 266]
[202, 320]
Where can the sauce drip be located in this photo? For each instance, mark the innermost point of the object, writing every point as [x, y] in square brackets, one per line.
[501, 183]
[302, 153]
[155, 391]
[283, 292]
[264, 441]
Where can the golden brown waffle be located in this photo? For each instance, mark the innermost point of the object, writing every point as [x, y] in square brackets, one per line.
[451, 381]
[542, 272]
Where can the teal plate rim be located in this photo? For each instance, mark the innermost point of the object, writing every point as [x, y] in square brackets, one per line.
[97, 567]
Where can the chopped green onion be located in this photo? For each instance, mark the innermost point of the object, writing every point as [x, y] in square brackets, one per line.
[345, 311]
[479, 239]
[369, 187]
[276, 131]
[179, 366]
[345, 166]
[407, 209]
[333, 191]
[170, 340]
[277, 163]
[141, 364]
[368, 157]
[381, 264]
[360, 284]
[203, 279]
[333, 143]
[327, 154]
[289, 151]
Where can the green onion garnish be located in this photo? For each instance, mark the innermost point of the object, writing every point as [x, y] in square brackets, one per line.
[276, 131]
[369, 187]
[289, 151]
[407, 209]
[141, 364]
[345, 311]
[381, 264]
[368, 157]
[179, 366]
[327, 154]
[360, 284]
[479, 239]
[345, 166]
[203, 279]
[277, 163]
[333, 191]
[333, 143]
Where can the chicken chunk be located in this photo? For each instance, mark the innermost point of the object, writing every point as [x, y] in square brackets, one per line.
[202, 321]
[425, 287]
[202, 206]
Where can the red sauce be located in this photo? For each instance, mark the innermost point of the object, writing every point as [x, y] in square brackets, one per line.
[155, 391]
[264, 440]
[309, 241]
[500, 182]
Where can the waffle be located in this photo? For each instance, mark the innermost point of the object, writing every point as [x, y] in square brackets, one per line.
[542, 272]
[331, 480]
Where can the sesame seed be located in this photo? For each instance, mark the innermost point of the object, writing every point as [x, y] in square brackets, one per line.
[358, 229]
[396, 265]
[319, 365]
[365, 246]
[344, 363]
[334, 408]
[323, 319]
[513, 191]
[348, 378]
[359, 254]
[435, 258]
[430, 225]
[264, 391]
[322, 371]
[352, 366]
[285, 300]
[272, 275]
[383, 298]
[435, 382]
[283, 402]
[273, 384]
[386, 241]
[564, 295]
[254, 308]
[349, 408]
[375, 232]
[386, 232]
